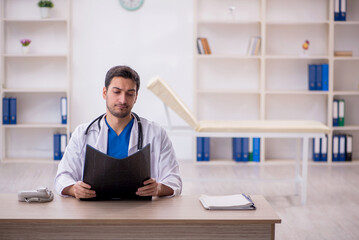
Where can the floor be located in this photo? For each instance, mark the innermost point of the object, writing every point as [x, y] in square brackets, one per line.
[331, 212]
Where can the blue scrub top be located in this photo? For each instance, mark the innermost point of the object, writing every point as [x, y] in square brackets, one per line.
[117, 146]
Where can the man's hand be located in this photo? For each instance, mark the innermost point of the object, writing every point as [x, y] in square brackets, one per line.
[79, 190]
[153, 188]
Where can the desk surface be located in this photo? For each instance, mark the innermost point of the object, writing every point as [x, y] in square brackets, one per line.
[177, 210]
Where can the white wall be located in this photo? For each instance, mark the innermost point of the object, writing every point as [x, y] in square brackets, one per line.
[154, 40]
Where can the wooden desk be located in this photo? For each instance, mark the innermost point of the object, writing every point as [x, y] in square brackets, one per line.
[165, 218]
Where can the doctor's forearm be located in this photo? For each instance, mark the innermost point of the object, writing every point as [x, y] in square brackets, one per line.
[164, 190]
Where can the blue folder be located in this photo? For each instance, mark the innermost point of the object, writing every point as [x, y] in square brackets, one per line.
[57, 147]
[199, 148]
[318, 78]
[256, 149]
[324, 149]
[316, 149]
[237, 149]
[343, 10]
[335, 113]
[312, 73]
[6, 111]
[206, 149]
[63, 106]
[341, 148]
[325, 77]
[335, 148]
[12, 110]
[245, 148]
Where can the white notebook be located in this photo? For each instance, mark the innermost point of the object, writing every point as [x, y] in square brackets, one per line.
[227, 202]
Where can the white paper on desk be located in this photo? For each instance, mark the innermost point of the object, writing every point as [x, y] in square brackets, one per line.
[237, 201]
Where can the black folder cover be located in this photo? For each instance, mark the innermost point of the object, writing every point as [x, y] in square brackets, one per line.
[114, 178]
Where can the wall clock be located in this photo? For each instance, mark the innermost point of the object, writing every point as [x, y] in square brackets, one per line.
[131, 5]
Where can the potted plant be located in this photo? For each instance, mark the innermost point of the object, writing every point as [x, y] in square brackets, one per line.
[44, 6]
[25, 45]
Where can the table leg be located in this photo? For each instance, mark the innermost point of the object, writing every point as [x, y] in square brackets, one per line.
[304, 169]
[297, 166]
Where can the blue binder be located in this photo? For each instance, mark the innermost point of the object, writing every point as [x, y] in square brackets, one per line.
[318, 78]
[343, 10]
[335, 113]
[324, 149]
[57, 147]
[336, 10]
[325, 77]
[63, 143]
[312, 73]
[237, 149]
[6, 111]
[12, 110]
[63, 110]
[206, 149]
[199, 148]
[335, 148]
[245, 149]
[256, 149]
[341, 148]
[316, 149]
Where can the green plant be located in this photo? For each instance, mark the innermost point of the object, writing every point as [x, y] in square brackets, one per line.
[45, 3]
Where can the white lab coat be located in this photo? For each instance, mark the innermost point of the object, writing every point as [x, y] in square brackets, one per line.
[164, 166]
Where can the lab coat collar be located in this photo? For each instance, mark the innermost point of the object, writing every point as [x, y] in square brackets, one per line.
[132, 146]
[101, 143]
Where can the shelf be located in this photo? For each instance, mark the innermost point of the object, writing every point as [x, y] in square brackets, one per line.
[304, 92]
[47, 90]
[346, 23]
[346, 58]
[35, 55]
[226, 56]
[227, 91]
[296, 57]
[348, 93]
[346, 128]
[228, 22]
[296, 22]
[35, 125]
[45, 20]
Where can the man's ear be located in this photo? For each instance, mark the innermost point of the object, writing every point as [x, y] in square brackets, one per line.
[104, 93]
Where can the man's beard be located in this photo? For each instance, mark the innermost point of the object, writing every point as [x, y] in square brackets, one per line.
[121, 114]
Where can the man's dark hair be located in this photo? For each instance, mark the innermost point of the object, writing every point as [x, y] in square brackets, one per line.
[122, 71]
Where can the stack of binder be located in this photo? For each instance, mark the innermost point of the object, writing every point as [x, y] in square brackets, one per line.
[340, 10]
[318, 77]
[342, 147]
[60, 142]
[9, 110]
[338, 112]
[320, 149]
[246, 149]
[203, 148]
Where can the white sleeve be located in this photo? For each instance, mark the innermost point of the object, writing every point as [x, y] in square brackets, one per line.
[168, 167]
[70, 167]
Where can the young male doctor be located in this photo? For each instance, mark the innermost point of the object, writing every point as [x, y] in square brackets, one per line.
[116, 134]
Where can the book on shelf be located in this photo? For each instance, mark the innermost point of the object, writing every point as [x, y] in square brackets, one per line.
[63, 107]
[341, 112]
[5, 111]
[60, 142]
[203, 148]
[13, 111]
[246, 149]
[254, 46]
[340, 10]
[318, 77]
[343, 53]
[227, 202]
[342, 147]
[320, 149]
[203, 46]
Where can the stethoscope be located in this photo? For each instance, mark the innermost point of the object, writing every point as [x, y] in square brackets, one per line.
[140, 134]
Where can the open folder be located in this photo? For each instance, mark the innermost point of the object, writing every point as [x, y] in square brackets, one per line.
[227, 202]
[114, 178]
